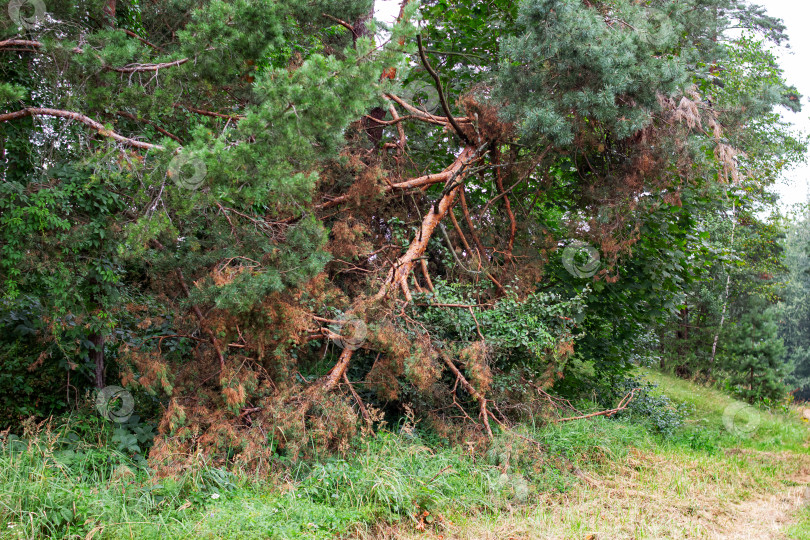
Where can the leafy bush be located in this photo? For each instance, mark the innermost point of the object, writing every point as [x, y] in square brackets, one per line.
[658, 411]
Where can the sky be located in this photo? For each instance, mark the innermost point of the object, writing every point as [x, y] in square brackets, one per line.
[794, 187]
[796, 63]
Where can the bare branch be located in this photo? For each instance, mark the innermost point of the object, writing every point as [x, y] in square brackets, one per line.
[207, 113]
[99, 127]
[403, 266]
[20, 43]
[482, 401]
[201, 319]
[342, 23]
[426, 180]
[610, 412]
[423, 115]
[130, 33]
[136, 68]
[442, 99]
[154, 125]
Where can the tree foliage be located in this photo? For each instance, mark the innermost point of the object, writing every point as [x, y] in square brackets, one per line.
[245, 211]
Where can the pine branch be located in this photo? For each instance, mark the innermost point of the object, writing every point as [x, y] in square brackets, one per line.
[507, 204]
[207, 113]
[20, 43]
[342, 23]
[36, 46]
[482, 401]
[58, 113]
[130, 33]
[423, 115]
[610, 412]
[201, 319]
[427, 180]
[398, 274]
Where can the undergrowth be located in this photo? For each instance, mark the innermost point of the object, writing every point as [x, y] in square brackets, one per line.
[80, 479]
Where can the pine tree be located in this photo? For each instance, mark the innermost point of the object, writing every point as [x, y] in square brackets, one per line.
[755, 354]
[245, 202]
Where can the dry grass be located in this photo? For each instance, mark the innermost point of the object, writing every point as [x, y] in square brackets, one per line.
[738, 490]
[654, 494]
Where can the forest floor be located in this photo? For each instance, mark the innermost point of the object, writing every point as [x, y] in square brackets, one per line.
[719, 475]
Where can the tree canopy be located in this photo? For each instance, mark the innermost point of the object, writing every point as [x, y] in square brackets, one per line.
[281, 222]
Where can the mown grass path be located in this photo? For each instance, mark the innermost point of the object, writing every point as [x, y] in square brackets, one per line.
[705, 482]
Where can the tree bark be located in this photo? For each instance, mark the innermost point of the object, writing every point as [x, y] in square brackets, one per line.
[97, 356]
[403, 266]
[725, 300]
[109, 12]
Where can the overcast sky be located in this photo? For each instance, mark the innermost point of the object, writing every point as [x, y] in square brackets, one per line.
[796, 63]
[794, 187]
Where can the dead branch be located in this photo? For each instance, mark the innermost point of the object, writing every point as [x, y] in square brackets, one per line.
[507, 204]
[516, 184]
[251, 410]
[331, 379]
[14, 44]
[554, 401]
[8, 43]
[360, 403]
[154, 125]
[398, 275]
[403, 266]
[138, 68]
[477, 326]
[425, 116]
[482, 402]
[480, 246]
[99, 127]
[207, 113]
[467, 247]
[400, 129]
[425, 273]
[465, 306]
[622, 406]
[466, 213]
[130, 33]
[342, 23]
[201, 319]
[427, 180]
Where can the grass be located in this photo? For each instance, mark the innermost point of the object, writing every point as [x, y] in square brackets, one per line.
[781, 428]
[800, 530]
[613, 477]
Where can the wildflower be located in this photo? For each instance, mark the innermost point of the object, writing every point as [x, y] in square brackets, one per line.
[215, 496]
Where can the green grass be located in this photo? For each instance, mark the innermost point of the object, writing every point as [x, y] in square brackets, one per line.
[778, 429]
[800, 530]
[617, 477]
